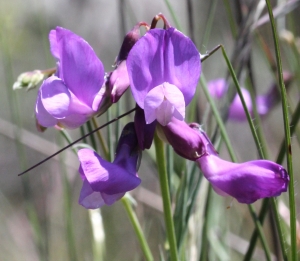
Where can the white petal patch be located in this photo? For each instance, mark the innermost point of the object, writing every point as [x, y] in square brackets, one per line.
[164, 102]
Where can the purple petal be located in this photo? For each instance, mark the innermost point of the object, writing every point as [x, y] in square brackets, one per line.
[43, 117]
[119, 82]
[262, 105]
[217, 88]
[163, 56]
[111, 199]
[182, 64]
[127, 152]
[247, 182]
[236, 109]
[78, 114]
[53, 44]
[104, 176]
[144, 132]
[186, 141]
[55, 97]
[89, 198]
[80, 68]
[73, 121]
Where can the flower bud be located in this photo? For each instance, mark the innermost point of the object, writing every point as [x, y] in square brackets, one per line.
[28, 80]
[185, 140]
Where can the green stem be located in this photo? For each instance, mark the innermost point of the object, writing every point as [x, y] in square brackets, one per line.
[232, 154]
[163, 178]
[171, 10]
[137, 228]
[292, 205]
[258, 225]
[101, 139]
[265, 204]
[209, 24]
[260, 150]
[239, 91]
[230, 16]
[262, 156]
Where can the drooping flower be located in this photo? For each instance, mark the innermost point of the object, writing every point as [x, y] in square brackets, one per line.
[164, 68]
[105, 182]
[185, 140]
[77, 91]
[248, 181]
[119, 80]
[264, 103]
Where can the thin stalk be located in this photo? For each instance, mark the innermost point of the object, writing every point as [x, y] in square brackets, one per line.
[233, 158]
[165, 192]
[266, 202]
[92, 138]
[292, 202]
[217, 116]
[109, 138]
[101, 139]
[239, 91]
[204, 239]
[209, 23]
[230, 18]
[258, 225]
[258, 145]
[137, 228]
[174, 17]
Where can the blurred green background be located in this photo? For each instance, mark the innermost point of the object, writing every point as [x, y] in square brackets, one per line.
[39, 211]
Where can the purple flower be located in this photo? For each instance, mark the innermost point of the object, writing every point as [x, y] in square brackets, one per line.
[248, 181]
[77, 91]
[164, 68]
[105, 182]
[264, 103]
[217, 88]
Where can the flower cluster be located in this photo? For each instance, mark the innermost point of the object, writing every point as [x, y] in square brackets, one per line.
[264, 103]
[162, 68]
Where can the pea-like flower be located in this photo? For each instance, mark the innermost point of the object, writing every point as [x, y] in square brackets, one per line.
[77, 91]
[248, 181]
[164, 68]
[105, 182]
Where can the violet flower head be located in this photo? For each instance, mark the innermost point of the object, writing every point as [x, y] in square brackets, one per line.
[77, 91]
[248, 181]
[164, 68]
[105, 182]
